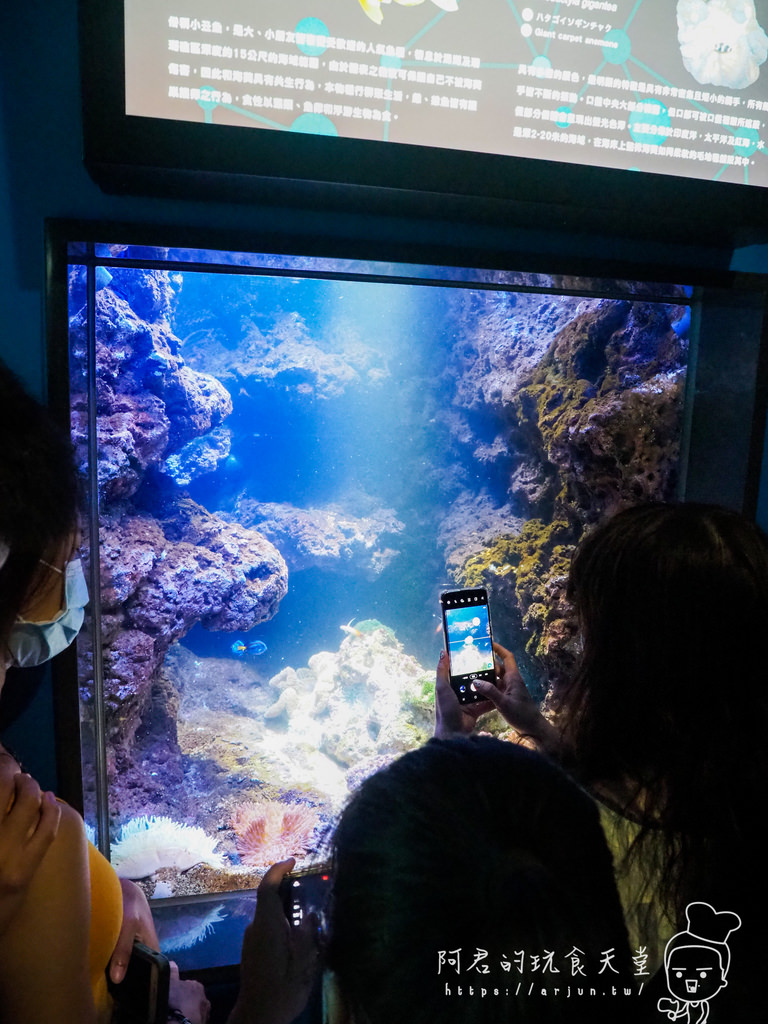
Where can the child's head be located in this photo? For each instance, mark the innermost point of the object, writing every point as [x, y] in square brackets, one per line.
[470, 844]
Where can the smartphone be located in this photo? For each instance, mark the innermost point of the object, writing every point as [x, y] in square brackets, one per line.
[307, 892]
[142, 995]
[467, 626]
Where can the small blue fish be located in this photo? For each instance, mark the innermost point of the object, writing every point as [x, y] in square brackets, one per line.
[254, 647]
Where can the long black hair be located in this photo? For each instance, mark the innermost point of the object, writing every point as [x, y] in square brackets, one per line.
[38, 493]
[670, 699]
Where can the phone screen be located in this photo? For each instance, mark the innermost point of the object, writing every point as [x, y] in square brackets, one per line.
[468, 639]
[306, 892]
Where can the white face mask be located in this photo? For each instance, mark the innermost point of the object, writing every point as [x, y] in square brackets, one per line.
[33, 643]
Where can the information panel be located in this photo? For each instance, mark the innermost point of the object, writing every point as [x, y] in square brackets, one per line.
[674, 88]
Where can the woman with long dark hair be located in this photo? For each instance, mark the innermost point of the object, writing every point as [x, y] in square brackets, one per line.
[65, 917]
[666, 716]
[39, 974]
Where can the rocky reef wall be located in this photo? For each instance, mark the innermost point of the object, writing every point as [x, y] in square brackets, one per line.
[165, 564]
[591, 426]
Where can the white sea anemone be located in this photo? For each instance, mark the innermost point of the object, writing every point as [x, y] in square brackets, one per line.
[147, 844]
[721, 42]
[185, 930]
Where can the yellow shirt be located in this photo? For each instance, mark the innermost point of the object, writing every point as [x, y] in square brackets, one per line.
[648, 925]
[106, 920]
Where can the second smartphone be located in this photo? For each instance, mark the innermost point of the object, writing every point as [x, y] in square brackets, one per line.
[467, 627]
[307, 891]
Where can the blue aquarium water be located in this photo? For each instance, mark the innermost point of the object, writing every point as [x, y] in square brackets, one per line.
[292, 459]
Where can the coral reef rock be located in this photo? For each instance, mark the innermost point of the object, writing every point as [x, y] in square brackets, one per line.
[284, 355]
[592, 427]
[199, 456]
[302, 731]
[161, 577]
[503, 339]
[473, 522]
[329, 538]
[150, 404]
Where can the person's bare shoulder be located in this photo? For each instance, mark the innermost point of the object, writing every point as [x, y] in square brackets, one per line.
[44, 951]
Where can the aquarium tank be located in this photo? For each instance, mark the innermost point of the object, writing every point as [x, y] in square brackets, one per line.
[285, 460]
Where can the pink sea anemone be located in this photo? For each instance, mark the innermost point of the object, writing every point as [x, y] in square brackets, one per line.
[268, 831]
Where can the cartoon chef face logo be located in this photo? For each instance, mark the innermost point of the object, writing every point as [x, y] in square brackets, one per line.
[695, 973]
[696, 962]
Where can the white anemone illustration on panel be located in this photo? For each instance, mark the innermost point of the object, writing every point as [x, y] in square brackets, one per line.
[373, 7]
[721, 42]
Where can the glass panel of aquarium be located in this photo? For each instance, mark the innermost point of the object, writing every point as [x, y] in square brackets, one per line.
[322, 265]
[285, 470]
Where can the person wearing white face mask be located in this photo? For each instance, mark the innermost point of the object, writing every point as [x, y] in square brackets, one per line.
[33, 640]
[65, 917]
[28, 825]
[44, 942]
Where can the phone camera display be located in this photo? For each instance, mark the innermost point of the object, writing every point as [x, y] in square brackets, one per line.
[296, 912]
[306, 894]
[469, 639]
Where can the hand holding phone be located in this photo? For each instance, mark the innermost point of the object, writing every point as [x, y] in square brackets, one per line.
[468, 641]
[279, 963]
[452, 718]
[142, 996]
